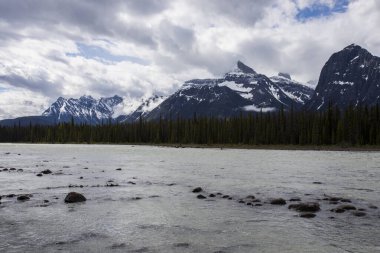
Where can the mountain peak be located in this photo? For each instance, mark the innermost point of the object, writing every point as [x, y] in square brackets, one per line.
[244, 68]
[285, 75]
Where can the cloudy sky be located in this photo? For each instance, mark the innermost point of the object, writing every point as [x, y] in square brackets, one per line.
[136, 48]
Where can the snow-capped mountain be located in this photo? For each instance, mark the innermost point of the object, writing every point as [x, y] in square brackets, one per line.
[86, 109]
[240, 90]
[145, 107]
[349, 77]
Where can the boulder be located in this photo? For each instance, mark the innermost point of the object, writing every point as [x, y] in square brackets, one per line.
[74, 197]
[310, 207]
[278, 201]
[294, 199]
[23, 198]
[200, 196]
[307, 215]
[39, 175]
[359, 214]
[197, 190]
[46, 172]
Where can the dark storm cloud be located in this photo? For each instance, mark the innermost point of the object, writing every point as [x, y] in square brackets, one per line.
[246, 12]
[90, 16]
[37, 84]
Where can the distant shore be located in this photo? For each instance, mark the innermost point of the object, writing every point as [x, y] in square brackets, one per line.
[238, 146]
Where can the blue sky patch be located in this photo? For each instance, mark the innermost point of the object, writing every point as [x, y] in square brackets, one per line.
[319, 10]
[101, 54]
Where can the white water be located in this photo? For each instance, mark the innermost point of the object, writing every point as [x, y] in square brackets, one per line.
[176, 221]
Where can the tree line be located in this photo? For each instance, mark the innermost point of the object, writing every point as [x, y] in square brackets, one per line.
[353, 126]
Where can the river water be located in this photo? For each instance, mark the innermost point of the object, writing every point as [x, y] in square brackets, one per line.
[153, 208]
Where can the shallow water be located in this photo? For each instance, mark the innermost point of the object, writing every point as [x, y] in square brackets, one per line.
[169, 217]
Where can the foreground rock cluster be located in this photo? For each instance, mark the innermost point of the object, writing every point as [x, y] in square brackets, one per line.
[305, 209]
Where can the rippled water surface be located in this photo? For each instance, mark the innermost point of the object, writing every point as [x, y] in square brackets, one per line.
[169, 217]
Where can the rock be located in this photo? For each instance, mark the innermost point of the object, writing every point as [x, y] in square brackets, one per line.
[345, 200]
[74, 197]
[241, 201]
[347, 207]
[306, 207]
[200, 196]
[182, 245]
[317, 182]
[136, 198]
[333, 202]
[249, 204]
[23, 198]
[362, 209]
[250, 197]
[46, 172]
[12, 168]
[278, 201]
[198, 189]
[258, 204]
[294, 199]
[307, 215]
[5, 169]
[343, 208]
[212, 195]
[20, 170]
[372, 207]
[359, 214]
[85, 168]
[10, 196]
[226, 196]
[230, 198]
[130, 182]
[39, 175]
[118, 169]
[46, 201]
[80, 177]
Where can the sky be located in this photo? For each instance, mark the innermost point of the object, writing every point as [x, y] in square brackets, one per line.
[137, 48]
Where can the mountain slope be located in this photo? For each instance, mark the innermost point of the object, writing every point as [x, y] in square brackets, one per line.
[349, 77]
[240, 90]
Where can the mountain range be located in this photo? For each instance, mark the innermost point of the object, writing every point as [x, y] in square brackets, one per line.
[350, 77]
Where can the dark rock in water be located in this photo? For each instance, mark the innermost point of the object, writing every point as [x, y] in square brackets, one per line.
[46, 201]
[278, 201]
[294, 199]
[307, 215]
[241, 201]
[80, 177]
[39, 175]
[345, 200]
[23, 198]
[200, 196]
[258, 204]
[226, 196]
[317, 182]
[182, 245]
[136, 198]
[212, 195]
[20, 170]
[306, 207]
[333, 202]
[373, 207]
[46, 172]
[118, 169]
[10, 196]
[198, 189]
[362, 209]
[250, 197]
[85, 168]
[347, 207]
[74, 197]
[130, 182]
[5, 169]
[12, 168]
[230, 198]
[343, 208]
[359, 214]
[249, 204]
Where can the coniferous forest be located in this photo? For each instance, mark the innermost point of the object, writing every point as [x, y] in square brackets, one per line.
[350, 127]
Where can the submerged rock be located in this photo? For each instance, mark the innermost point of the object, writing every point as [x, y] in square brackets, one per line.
[74, 197]
[294, 199]
[306, 207]
[46, 172]
[278, 201]
[23, 198]
[197, 190]
[359, 214]
[200, 196]
[307, 215]
[39, 175]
